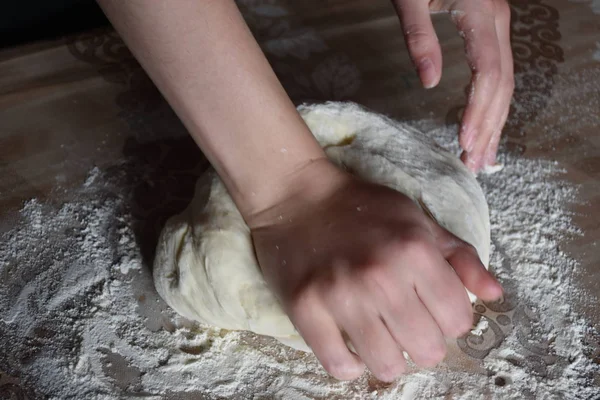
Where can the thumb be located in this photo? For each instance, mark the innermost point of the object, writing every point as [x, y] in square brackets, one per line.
[466, 263]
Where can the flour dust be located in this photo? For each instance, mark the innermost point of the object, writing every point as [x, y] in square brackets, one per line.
[82, 320]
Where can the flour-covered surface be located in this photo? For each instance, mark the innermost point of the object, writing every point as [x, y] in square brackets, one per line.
[83, 320]
[92, 162]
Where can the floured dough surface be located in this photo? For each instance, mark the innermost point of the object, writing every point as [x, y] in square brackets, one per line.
[205, 267]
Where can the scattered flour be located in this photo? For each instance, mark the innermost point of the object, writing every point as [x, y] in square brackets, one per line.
[594, 4]
[481, 327]
[84, 322]
[596, 54]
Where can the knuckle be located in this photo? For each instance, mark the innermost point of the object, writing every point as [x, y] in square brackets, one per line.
[419, 253]
[418, 38]
[374, 275]
[492, 71]
[416, 31]
[341, 300]
[467, 248]
[415, 244]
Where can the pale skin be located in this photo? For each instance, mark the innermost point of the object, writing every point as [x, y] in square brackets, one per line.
[387, 278]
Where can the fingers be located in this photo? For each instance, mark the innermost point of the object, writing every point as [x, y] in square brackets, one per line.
[483, 54]
[411, 301]
[444, 295]
[466, 263]
[476, 278]
[356, 312]
[421, 40]
[323, 336]
[373, 342]
[413, 328]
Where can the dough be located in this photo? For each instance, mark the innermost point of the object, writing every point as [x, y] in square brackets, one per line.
[205, 267]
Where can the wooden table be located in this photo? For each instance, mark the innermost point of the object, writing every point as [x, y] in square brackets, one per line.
[69, 105]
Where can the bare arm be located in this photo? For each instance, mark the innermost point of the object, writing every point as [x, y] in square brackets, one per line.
[205, 61]
[394, 261]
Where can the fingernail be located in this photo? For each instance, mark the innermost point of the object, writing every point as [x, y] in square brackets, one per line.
[427, 73]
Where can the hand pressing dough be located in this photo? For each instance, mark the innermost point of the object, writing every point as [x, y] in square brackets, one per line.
[205, 267]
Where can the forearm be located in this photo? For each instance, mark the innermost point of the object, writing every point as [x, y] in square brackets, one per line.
[204, 60]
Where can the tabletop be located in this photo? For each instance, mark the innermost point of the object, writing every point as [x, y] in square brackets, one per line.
[81, 121]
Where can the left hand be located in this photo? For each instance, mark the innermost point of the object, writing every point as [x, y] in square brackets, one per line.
[485, 27]
[354, 261]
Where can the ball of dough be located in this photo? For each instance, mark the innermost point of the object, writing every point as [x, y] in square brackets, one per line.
[205, 267]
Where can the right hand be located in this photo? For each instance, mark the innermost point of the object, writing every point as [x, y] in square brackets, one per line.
[485, 27]
[358, 261]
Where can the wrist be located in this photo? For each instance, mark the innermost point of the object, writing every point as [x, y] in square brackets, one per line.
[309, 185]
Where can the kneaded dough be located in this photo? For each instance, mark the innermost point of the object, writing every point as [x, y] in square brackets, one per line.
[205, 267]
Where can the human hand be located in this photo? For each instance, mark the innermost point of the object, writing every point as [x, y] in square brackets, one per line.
[485, 27]
[350, 260]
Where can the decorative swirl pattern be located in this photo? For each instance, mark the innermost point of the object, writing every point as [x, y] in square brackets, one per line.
[479, 346]
[534, 37]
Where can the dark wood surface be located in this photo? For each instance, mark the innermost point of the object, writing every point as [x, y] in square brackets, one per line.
[69, 105]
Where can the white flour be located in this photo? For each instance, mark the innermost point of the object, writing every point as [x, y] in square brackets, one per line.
[594, 4]
[596, 53]
[81, 319]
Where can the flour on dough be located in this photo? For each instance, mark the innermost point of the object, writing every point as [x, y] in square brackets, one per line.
[205, 267]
